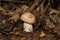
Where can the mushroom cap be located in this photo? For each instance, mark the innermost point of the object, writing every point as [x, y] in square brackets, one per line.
[28, 17]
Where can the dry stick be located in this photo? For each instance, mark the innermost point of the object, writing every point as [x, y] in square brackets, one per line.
[34, 5]
[42, 6]
[16, 16]
[10, 13]
[51, 11]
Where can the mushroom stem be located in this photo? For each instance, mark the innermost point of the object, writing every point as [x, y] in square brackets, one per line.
[28, 27]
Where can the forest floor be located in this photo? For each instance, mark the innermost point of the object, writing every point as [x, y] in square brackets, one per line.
[46, 27]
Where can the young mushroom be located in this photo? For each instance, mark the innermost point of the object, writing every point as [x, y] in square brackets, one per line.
[28, 19]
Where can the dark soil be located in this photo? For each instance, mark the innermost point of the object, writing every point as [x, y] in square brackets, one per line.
[45, 22]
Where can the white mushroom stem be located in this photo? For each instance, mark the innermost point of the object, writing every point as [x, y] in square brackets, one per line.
[28, 27]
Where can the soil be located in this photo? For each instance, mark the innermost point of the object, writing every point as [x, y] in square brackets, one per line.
[11, 27]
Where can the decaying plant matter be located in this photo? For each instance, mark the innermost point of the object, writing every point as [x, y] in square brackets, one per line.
[45, 20]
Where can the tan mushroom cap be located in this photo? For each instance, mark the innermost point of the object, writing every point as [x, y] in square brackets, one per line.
[28, 17]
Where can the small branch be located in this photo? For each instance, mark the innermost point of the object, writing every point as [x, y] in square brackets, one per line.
[53, 11]
[16, 16]
[34, 5]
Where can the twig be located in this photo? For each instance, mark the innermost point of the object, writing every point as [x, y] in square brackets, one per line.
[53, 11]
[36, 2]
[16, 16]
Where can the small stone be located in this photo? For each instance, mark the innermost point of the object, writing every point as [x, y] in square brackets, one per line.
[3, 21]
[42, 34]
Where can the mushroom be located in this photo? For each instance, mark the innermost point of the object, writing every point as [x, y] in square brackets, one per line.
[28, 19]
